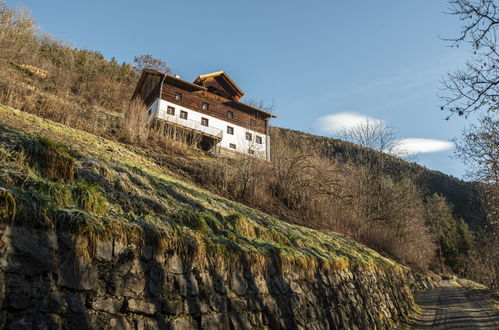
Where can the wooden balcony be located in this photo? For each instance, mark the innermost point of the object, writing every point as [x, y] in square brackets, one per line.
[190, 124]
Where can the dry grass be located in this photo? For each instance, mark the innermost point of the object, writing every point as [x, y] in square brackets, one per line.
[52, 158]
[197, 224]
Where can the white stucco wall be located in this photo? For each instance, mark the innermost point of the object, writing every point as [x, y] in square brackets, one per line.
[158, 109]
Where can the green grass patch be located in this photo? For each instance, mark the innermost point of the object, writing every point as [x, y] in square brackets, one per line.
[192, 219]
[90, 198]
[60, 193]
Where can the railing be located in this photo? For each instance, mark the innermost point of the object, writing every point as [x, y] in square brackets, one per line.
[161, 114]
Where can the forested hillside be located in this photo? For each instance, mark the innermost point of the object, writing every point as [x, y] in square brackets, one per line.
[462, 195]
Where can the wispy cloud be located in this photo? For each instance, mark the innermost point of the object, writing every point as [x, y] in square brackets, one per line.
[337, 123]
[414, 146]
[343, 121]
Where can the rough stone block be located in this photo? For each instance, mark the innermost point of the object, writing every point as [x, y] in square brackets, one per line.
[238, 284]
[55, 302]
[76, 304]
[205, 283]
[120, 323]
[196, 306]
[104, 250]
[215, 322]
[239, 321]
[18, 292]
[238, 304]
[78, 274]
[28, 253]
[184, 323]
[141, 306]
[218, 303]
[173, 307]
[110, 305]
[34, 321]
[155, 280]
[281, 285]
[175, 264]
[129, 280]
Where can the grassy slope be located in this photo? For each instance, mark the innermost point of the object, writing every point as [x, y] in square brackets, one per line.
[117, 192]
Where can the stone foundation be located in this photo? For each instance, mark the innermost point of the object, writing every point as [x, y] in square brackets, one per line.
[46, 284]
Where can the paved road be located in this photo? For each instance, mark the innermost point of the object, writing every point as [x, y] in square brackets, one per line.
[454, 307]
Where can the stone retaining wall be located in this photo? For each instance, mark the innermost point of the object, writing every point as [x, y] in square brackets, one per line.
[45, 285]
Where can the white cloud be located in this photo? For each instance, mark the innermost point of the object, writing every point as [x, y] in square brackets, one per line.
[416, 145]
[338, 122]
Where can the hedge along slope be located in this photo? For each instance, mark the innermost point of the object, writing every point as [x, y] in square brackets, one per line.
[219, 261]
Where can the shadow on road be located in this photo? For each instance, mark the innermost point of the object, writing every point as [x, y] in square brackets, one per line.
[454, 307]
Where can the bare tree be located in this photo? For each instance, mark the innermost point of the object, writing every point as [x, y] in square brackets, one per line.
[479, 149]
[477, 86]
[149, 62]
[372, 133]
[476, 89]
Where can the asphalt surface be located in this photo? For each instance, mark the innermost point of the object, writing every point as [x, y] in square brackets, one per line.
[454, 307]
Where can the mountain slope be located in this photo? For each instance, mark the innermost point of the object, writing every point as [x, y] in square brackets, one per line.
[98, 191]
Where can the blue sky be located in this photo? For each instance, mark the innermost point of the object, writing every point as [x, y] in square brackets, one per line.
[383, 59]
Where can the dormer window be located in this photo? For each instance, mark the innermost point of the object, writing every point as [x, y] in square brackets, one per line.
[178, 96]
[205, 106]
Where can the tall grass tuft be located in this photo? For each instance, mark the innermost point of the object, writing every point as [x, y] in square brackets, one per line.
[90, 198]
[52, 158]
[7, 205]
[190, 218]
[59, 193]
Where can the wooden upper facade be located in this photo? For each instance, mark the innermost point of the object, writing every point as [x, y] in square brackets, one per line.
[214, 94]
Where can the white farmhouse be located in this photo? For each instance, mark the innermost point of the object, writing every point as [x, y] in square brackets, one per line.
[209, 106]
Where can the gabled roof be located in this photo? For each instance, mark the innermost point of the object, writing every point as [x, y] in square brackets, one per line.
[235, 91]
[167, 77]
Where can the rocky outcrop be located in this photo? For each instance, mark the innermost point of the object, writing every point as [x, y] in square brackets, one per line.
[49, 282]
